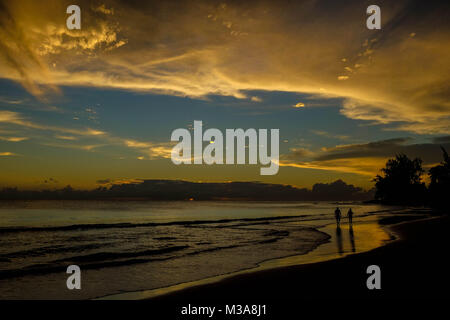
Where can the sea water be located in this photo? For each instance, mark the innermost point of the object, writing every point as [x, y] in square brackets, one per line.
[125, 246]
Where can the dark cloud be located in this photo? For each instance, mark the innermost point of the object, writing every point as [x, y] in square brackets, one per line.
[297, 154]
[50, 180]
[365, 158]
[104, 181]
[428, 152]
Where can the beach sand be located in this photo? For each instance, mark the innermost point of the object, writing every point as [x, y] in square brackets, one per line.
[414, 266]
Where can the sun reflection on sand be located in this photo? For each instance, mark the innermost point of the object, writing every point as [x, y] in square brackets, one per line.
[365, 234]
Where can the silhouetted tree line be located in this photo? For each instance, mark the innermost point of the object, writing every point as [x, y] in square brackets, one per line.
[402, 183]
[185, 190]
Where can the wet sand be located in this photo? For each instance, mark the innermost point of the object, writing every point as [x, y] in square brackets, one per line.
[414, 266]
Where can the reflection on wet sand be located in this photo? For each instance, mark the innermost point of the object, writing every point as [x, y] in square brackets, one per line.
[339, 240]
[352, 238]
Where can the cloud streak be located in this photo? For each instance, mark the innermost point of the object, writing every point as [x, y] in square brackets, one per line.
[14, 139]
[365, 158]
[7, 154]
[152, 150]
[15, 118]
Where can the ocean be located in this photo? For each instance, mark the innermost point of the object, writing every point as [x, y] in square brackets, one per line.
[129, 246]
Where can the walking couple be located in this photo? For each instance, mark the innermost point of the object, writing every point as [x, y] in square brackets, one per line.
[338, 214]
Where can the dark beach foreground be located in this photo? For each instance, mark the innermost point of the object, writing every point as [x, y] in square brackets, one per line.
[414, 266]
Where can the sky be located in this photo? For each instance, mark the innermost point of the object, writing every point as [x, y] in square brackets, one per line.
[98, 105]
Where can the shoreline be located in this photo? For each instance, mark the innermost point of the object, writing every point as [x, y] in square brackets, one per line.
[320, 254]
[413, 266]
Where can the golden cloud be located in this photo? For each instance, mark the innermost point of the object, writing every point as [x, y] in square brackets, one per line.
[363, 166]
[62, 137]
[16, 118]
[14, 139]
[256, 99]
[7, 154]
[202, 48]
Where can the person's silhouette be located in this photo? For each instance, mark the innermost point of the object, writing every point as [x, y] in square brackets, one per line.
[350, 216]
[337, 215]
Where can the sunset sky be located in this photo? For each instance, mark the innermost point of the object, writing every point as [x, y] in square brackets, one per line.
[98, 105]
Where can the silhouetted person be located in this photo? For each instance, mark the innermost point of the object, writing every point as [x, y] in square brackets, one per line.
[337, 215]
[350, 216]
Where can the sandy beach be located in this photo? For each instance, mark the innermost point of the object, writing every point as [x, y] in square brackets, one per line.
[280, 252]
[413, 266]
